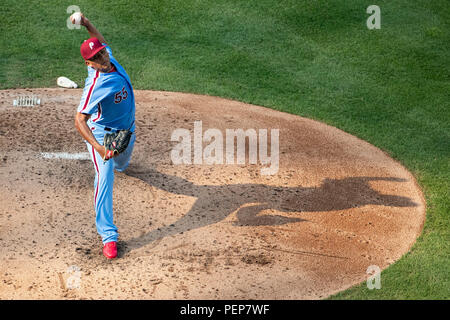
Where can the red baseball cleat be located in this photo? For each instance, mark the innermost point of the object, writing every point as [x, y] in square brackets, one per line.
[110, 250]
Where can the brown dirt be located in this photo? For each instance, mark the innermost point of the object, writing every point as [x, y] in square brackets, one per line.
[336, 206]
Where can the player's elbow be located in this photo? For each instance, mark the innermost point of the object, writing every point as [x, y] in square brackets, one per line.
[79, 119]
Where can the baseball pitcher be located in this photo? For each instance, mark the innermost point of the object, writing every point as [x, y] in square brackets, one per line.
[105, 119]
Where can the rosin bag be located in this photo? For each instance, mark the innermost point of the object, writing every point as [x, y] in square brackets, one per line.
[66, 83]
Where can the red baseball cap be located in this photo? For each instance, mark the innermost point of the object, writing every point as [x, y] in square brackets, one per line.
[90, 47]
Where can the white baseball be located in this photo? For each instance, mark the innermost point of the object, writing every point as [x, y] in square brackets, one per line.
[76, 18]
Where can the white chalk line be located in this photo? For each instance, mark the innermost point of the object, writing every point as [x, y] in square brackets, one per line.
[66, 155]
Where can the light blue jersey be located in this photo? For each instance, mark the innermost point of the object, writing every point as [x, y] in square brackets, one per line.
[109, 99]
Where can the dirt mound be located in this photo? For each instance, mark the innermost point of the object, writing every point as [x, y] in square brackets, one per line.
[335, 206]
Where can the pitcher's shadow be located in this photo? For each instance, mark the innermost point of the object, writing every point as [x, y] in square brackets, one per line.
[214, 203]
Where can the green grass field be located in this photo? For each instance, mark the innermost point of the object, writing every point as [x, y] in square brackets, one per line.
[317, 59]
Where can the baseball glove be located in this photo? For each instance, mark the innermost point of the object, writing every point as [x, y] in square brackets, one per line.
[116, 143]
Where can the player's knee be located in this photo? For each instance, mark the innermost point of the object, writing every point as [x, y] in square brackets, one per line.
[121, 168]
[121, 162]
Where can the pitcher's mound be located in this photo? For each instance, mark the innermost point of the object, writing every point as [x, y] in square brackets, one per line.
[333, 206]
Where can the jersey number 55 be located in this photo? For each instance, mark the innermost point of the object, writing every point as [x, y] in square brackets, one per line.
[121, 95]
